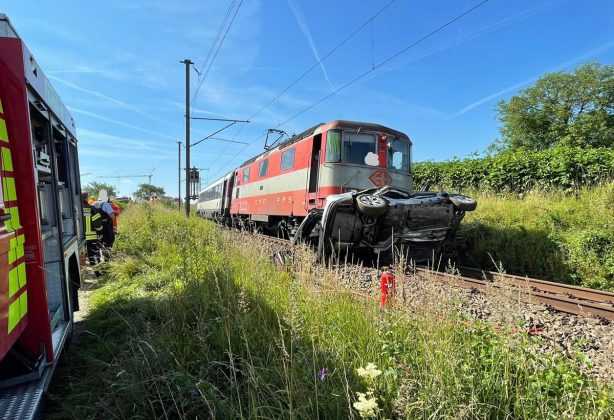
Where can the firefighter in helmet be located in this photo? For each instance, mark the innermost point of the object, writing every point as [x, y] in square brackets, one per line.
[92, 226]
[107, 217]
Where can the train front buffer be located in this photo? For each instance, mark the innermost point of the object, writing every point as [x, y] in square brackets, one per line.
[421, 225]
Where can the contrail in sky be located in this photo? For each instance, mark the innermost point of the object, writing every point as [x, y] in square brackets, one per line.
[302, 23]
[123, 124]
[107, 98]
[602, 48]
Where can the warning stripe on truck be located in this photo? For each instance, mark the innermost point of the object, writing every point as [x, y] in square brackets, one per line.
[17, 291]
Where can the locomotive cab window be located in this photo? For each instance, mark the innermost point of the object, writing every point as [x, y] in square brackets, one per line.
[398, 154]
[246, 175]
[357, 146]
[287, 159]
[263, 168]
[333, 146]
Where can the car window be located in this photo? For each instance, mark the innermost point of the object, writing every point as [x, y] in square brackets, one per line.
[263, 168]
[246, 175]
[287, 159]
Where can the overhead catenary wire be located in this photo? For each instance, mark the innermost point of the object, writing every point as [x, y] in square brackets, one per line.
[212, 48]
[317, 63]
[219, 46]
[359, 77]
[310, 69]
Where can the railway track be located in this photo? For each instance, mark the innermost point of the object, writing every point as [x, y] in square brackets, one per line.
[565, 298]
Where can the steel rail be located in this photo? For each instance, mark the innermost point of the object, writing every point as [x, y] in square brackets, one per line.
[528, 290]
[567, 298]
[542, 285]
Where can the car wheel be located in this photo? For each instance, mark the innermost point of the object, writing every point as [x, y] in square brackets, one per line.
[462, 202]
[371, 205]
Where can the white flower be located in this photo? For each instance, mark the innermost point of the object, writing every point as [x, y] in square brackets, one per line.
[367, 408]
[369, 372]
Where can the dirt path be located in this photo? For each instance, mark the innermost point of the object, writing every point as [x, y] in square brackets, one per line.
[62, 372]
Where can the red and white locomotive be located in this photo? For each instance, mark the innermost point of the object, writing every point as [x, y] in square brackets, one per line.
[361, 167]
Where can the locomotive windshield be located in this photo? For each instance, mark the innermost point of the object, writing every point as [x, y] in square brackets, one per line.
[398, 154]
[357, 146]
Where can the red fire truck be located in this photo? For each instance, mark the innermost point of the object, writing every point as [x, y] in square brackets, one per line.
[40, 227]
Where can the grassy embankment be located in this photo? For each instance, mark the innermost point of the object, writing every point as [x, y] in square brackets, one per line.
[565, 238]
[547, 214]
[192, 321]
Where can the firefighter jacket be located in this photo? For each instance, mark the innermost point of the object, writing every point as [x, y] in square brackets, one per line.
[92, 221]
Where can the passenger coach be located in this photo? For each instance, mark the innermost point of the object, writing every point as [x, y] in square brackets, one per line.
[214, 200]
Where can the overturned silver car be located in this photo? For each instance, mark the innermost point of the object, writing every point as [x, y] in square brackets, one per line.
[420, 225]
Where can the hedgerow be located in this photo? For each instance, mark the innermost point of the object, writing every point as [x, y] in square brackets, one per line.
[560, 168]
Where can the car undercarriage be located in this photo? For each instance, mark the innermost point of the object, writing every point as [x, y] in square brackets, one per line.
[419, 226]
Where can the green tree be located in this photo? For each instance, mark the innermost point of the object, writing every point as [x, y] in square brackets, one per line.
[93, 187]
[574, 109]
[147, 190]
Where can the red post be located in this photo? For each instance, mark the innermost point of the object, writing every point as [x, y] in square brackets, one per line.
[386, 286]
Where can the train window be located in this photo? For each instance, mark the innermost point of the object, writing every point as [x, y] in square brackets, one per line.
[263, 168]
[333, 146]
[398, 154]
[287, 159]
[357, 146]
[246, 175]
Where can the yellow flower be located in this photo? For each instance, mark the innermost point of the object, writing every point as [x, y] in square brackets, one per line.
[369, 372]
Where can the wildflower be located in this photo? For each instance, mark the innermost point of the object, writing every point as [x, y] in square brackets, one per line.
[322, 374]
[367, 407]
[193, 393]
[369, 372]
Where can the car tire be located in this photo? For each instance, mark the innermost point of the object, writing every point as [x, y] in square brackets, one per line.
[462, 202]
[371, 205]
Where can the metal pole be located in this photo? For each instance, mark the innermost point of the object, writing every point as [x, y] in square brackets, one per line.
[179, 174]
[187, 63]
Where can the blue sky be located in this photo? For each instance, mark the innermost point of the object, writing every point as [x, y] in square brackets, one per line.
[116, 66]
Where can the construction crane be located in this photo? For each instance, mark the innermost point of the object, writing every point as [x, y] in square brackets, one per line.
[118, 177]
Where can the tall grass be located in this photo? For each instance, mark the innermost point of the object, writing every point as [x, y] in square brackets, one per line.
[566, 238]
[193, 321]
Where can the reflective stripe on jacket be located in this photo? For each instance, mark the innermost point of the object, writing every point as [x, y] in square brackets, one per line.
[93, 223]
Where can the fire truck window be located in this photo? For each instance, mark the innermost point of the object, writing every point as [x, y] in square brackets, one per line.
[287, 159]
[263, 169]
[398, 154]
[356, 147]
[60, 154]
[333, 146]
[246, 175]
